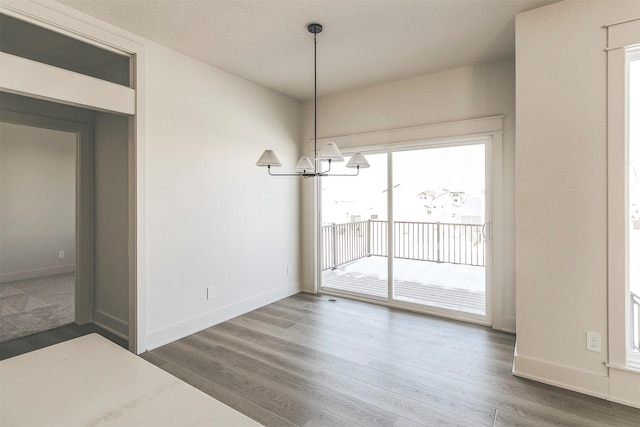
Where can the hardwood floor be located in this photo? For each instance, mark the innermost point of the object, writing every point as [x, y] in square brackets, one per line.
[306, 361]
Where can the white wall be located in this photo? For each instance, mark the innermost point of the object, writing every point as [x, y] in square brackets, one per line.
[37, 201]
[111, 223]
[459, 94]
[561, 191]
[206, 215]
[215, 219]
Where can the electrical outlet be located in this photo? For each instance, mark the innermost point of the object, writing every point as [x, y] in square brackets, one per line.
[60, 254]
[289, 270]
[211, 292]
[594, 341]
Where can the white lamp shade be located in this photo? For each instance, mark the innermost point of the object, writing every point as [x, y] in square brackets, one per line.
[330, 151]
[356, 160]
[269, 158]
[304, 165]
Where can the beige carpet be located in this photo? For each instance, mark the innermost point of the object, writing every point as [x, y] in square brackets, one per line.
[36, 305]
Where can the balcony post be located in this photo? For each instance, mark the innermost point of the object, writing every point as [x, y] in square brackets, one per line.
[369, 237]
[635, 320]
[333, 246]
[438, 241]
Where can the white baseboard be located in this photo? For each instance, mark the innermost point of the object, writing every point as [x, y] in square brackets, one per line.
[625, 402]
[111, 323]
[38, 272]
[195, 324]
[585, 382]
[624, 386]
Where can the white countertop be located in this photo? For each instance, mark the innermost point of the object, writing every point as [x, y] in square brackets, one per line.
[91, 381]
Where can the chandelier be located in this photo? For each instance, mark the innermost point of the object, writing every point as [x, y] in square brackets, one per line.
[329, 153]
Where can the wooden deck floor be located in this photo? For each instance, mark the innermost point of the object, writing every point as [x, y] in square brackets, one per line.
[306, 361]
[449, 297]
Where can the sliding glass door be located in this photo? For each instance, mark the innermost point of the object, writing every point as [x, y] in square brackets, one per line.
[411, 230]
[439, 221]
[353, 235]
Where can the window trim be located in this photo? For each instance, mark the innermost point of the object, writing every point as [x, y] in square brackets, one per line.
[632, 357]
[409, 138]
[619, 334]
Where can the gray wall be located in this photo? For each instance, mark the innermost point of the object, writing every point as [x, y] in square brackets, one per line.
[111, 261]
[37, 201]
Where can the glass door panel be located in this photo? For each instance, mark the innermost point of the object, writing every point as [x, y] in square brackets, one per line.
[354, 230]
[439, 224]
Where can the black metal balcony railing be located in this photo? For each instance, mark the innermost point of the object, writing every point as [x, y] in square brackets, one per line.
[343, 243]
[422, 241]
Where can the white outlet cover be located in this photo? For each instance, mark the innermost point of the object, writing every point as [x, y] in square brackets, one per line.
[594, 341]
[211, 292]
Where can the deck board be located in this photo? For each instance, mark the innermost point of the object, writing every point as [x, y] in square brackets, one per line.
[422, 293]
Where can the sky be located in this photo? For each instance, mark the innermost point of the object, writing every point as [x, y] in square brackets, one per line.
[437, 169]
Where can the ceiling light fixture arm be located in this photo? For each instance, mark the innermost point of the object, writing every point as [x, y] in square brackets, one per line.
[310, 175]
[304, 174]
[343, 174]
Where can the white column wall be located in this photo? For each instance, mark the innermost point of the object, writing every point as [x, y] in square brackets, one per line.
[561, 191]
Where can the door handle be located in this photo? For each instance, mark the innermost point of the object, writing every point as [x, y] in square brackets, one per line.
[486, 230]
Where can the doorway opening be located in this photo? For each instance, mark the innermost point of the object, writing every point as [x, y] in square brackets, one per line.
[88, 279]
[37, 229]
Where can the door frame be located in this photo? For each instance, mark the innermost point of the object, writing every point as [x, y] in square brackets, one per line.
[489, 129]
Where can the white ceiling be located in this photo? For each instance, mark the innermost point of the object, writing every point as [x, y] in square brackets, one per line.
[364, 42]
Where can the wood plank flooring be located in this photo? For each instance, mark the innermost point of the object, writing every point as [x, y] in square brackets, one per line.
[307, 361]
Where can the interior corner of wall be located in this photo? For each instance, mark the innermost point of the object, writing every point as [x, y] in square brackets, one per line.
[509, 324]
[111, 323]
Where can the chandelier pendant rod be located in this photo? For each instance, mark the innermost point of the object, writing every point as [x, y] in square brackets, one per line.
[315, 104]
[315, 29]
